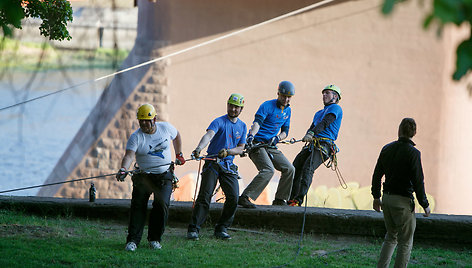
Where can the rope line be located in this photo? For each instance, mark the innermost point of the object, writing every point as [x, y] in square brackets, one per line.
[292, 13]
[196, 184]
[300, 239]
[55, 183]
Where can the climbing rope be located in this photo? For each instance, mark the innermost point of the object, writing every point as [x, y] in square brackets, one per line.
[292, 13]
[134, 171]
[332, 162]
[199, 159]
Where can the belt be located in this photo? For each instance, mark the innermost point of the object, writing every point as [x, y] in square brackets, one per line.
[155, 175]
[392, 193]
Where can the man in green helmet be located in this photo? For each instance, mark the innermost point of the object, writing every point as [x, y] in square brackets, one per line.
[320, 144]
[227, 138]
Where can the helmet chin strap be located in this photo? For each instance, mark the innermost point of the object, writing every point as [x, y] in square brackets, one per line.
[331, 101]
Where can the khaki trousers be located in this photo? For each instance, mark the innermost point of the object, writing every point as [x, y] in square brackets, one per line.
[400, 222]
[266, 165]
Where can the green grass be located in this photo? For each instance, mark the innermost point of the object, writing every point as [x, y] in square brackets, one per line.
[28, 56]
[32, 241]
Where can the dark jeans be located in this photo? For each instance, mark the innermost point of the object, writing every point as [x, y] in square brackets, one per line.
[212, 173]
[143, 186]
[305, 163]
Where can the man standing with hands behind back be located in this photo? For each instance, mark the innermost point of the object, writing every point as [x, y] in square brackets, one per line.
[400, 162]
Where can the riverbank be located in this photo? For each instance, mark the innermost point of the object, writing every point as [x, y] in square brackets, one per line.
[438, 228]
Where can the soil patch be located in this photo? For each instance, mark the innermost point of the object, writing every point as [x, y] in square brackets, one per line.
[29, 230]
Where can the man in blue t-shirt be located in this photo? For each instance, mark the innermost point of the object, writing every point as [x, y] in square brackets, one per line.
[271, 124]
[227, 137]
[320, 145]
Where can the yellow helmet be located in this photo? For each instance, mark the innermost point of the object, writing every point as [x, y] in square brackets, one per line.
[333, 88]
[236, 99]
[146, 112]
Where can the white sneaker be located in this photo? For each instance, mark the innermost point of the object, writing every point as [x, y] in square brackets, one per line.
[155, 245]
[130, 246]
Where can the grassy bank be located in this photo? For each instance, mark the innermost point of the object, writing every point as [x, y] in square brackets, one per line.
[32, 241]
[28, 56]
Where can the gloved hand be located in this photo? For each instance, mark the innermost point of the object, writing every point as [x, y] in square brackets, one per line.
[121, 174]
[249, 140]
[222, 153]
[308, 137]
[274, 141]
[179, 159]
[196, 153]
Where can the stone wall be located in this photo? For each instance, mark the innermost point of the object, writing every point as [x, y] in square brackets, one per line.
[106, 153]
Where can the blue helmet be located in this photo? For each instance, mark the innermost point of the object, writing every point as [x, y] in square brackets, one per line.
[286, 88]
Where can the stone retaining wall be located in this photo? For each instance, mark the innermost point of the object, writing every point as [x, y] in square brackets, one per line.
[437, 228]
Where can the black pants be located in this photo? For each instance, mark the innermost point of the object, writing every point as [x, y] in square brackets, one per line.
[305, 163]
[143, 186]
[212, 173]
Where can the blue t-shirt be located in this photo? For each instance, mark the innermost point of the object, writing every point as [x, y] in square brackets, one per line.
[228, 135]
[271, 120]
[331, 132]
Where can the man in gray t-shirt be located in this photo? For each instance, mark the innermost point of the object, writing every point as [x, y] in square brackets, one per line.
[150, 144]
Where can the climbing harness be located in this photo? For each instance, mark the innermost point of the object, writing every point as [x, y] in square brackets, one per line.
[331, 154]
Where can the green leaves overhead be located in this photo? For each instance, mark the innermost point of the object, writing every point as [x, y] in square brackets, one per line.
[446, 12]
[55, 14]
[464, 59]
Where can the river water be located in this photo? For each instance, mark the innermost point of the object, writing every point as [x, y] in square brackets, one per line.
[33, 136]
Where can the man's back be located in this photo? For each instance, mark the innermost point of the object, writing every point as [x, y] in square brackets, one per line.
[400, 162]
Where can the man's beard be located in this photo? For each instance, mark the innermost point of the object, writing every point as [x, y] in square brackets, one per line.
[232, 117]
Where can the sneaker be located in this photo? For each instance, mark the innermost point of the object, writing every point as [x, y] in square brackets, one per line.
[245, 203]
[192, 235]
[155, 245]
[279, 202]
[222, 235]
[131, 246]
[293, 203]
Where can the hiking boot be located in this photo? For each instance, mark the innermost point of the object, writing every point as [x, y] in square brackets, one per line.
[279, 202]
[294, 203]
[155, 245]
[245, 203]
[222, 235]
[131, 246]
[192, 236]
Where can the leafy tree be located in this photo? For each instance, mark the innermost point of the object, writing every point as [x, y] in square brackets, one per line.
[54, 15]
[446, 12]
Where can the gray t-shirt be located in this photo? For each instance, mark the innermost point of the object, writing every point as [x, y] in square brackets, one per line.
[153, 149]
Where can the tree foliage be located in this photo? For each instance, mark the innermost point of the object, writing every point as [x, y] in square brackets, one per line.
[446, 12]
[54, 15]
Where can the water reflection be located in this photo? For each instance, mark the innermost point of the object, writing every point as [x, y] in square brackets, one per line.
[33, 136]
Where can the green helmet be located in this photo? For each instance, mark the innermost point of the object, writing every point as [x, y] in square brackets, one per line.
[236, 99]
[333, 88]
[146, 112]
